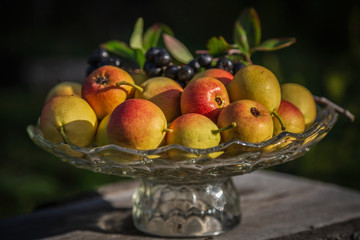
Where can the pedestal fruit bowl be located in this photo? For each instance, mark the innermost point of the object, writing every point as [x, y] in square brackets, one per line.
[192, 194]
[193, 197]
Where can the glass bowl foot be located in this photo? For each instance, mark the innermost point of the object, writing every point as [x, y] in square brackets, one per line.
[186, 210]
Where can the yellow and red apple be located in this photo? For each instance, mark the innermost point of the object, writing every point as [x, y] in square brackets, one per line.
[292, 117]
[100, 89]
[70, 117]
[253, 122]
[137, 124]
[192, 130]
[220, 74]
[165, 93]
[302, 98]
[64, 88]
[206, 96]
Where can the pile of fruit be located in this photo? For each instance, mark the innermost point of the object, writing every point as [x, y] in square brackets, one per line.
[198, 104]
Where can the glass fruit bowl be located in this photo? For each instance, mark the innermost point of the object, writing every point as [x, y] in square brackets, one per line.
[191, 197]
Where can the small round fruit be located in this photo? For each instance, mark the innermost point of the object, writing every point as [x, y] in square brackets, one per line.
[152, 70]
[101, 138]
[165, 93]
[71, 114]
[194, 64]
[151, 53]
[256, 83]
[172, 72]
[138, 76]
[97, 56]
[292, 117]
[224, 63]
[100, 91]
[137, 124]
[64, 88]
[162, 58]
[191, 130]
[185, 73]
[253, 122]
[302, 98]
[220, 74]
[206, 96]
[205, 60]
[113, 61]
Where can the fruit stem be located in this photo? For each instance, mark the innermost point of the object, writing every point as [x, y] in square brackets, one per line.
[280, 120]
[168, 130]
[232, 125]
[118, 84]
[248, 59]
[63, 135]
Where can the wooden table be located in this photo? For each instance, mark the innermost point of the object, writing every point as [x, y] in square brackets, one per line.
[274, 205]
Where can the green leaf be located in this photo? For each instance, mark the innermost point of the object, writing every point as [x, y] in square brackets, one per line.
[120, 48]
[274, 44]
[240, 38]
[166, 29]
[136, 39]
[152, 36]
[177, 49]
[217, 46]
[237, 58]
[250, 22]
[140, 57]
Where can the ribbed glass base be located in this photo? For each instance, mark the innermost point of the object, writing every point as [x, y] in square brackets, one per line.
[186, 210]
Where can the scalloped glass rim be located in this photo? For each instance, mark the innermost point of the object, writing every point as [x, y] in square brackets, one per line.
[155, 163]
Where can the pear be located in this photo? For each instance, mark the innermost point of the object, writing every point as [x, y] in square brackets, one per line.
[137, 124]
[292, 117]
[256, 83]
[193, 130]
[253, 123]
[68, 117]
[163, 92]
[220, 74]
[302, 98]
[206, 96]
[100, 89]
[138, 76]
[64, 88]
[101, 138]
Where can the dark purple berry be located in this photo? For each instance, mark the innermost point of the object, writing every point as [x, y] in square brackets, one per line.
[152, 70]
[195, 65]
[172, 72]
[205, 60]
[224, 63]
[113, 61]
[185, 73]
[97, 56]
[150, 54]
[237, 66]
[162, 58]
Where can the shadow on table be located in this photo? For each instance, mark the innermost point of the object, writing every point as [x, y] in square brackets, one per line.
[94, 214]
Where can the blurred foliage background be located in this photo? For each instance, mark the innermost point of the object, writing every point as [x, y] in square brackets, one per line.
[45, 41]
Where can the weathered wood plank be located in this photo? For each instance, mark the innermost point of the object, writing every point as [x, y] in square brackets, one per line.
[346, 230]
[274, 205]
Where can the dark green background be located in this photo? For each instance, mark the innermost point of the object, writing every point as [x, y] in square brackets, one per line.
[43, 33]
